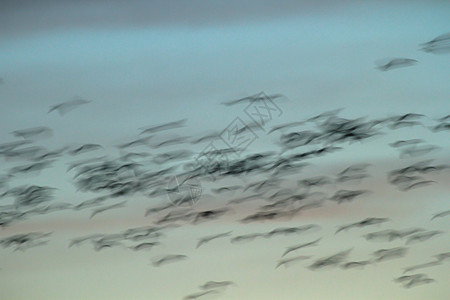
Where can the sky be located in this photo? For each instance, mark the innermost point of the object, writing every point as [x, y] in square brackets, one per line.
[144, 63]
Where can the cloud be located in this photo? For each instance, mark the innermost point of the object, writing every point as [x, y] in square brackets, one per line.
[34, 16]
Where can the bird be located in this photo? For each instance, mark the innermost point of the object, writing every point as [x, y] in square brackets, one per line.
[300, 246]
[409, 281]
[162, 127]
[216, 284]
[144, 246]
[209, 238]
[363, 223]
[65, 107]
[395, 63]
[355, 264]
[421, 266]
[254, 98]
[169, 259]
[85, 148]
[32, 133]
[385, 254]
[288, 261]
[200, 294]
[107, 207]
[441, 214]
[328, 261]
[422, 236]
[438, 45]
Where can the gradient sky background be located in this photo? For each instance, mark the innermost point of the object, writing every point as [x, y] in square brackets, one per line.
[150, 62]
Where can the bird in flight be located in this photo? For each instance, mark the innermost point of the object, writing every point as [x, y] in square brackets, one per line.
[65, 107]
[395, 63]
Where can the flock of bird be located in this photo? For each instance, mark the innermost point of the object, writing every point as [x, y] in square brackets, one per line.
[438, 45]
[146, 162]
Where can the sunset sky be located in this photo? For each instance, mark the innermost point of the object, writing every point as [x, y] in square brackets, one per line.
[144, 63]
